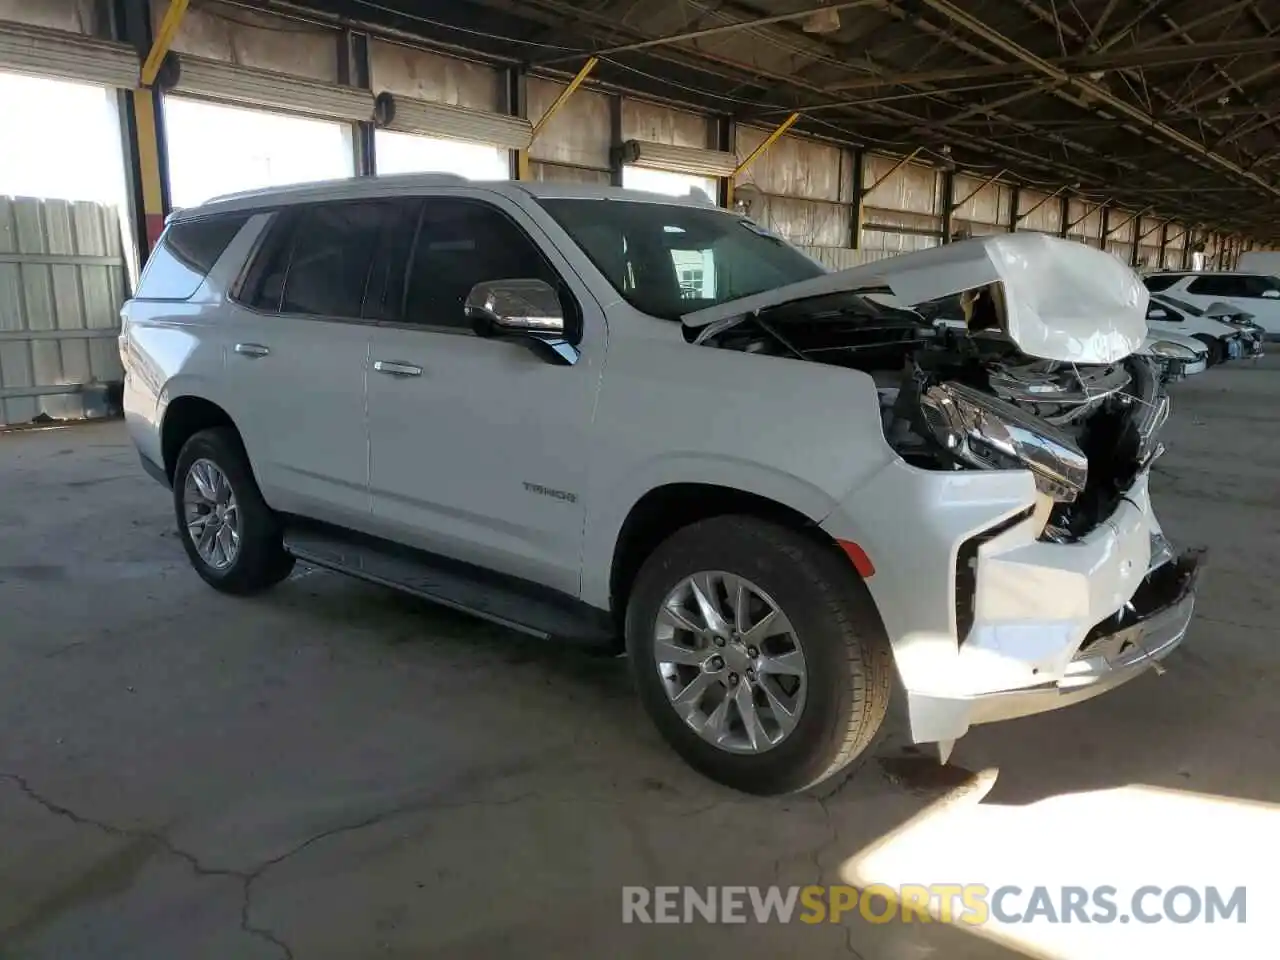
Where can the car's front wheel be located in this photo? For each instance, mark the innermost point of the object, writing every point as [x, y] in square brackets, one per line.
[758, 653]
[231, 536]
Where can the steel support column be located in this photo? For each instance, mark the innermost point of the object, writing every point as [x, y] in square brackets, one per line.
[516, 104]
[615, 140]
[948, 204]
[855, 212]
[353, 71]
[1014, 201]
[142, 117]
[726, 140]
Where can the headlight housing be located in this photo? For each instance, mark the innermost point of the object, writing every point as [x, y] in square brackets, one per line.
[1172, 351]
[987, 432]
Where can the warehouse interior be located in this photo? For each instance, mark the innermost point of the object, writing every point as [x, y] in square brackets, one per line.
[314, 775]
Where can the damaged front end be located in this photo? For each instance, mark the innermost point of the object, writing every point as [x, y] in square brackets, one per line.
[1016, 594]
[1085, 431]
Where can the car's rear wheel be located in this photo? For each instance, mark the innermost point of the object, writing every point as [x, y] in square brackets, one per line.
[231, 536]
[758, 653]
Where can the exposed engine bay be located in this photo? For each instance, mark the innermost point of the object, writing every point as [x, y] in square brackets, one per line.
[960, 395]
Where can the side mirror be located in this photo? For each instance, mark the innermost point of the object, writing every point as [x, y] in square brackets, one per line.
[1157, 314]
[1271, 294]
[525, 310]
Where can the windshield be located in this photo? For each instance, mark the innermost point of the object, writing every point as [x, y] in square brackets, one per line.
[669, 260]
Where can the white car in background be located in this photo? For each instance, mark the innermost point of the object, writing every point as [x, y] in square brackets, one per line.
[1175, 354]
[1223, 339]
[1254, 293]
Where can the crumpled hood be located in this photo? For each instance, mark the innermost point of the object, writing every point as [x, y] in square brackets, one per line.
[1061, 300]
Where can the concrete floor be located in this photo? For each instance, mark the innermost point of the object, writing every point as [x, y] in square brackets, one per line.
[333, 770]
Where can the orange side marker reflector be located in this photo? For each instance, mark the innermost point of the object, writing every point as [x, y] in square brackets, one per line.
[861, 562]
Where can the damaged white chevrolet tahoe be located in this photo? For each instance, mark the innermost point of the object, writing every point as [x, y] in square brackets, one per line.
[594, 414]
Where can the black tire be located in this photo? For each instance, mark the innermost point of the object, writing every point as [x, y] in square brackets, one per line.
[262, 561]
[1216, 352]
[846, 651]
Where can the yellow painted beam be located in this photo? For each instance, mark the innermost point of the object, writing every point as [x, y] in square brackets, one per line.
[565, 94]
[169, 25]
[148, 153]
[892, 170]
[765, 144]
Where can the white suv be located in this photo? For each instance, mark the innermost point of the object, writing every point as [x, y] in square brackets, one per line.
[589, 413]
[1253, 293]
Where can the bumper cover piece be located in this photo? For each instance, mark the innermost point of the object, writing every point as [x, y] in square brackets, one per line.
[1115, 651]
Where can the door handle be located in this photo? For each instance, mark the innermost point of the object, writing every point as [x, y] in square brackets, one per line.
[252, 350]
[395, 368]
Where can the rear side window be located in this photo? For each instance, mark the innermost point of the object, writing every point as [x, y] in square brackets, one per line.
[317, 261]
[185, 255]
[1163, 282]
[1220, 286]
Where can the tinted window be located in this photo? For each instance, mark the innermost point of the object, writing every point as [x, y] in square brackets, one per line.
[461, 243]
[384, 293]
[1161, 282]
[669, 259]
[332, 249]
[1218, 286]
[317, 260]
[185, 255]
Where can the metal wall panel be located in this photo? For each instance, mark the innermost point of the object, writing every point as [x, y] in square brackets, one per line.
[794, 167]
[429, 76]
[890, 242]
[1089, 229]
[75, 16]
[579, 133]
[803, 222]
[990, 205]
[659, 124]
[253, 39]
[1047, 218]
[1121, 232]
[914, 187]
[62, 282]
[1121, 251]
[842, 258]
[541, 170]
[1148, 256]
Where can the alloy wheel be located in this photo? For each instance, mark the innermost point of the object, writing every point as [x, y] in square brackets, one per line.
[730, 662]
[211, 514]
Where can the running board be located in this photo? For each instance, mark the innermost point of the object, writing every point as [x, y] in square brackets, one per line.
[508, 601]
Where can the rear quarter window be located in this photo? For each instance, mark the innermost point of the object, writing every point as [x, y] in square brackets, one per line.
[1163, 282]
[185, 254]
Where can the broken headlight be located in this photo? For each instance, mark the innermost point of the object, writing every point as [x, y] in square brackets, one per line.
[984, 431]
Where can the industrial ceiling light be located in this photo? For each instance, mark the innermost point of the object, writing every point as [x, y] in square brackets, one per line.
[822, 21]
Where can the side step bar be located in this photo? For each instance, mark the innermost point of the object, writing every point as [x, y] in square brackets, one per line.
[508, 601]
